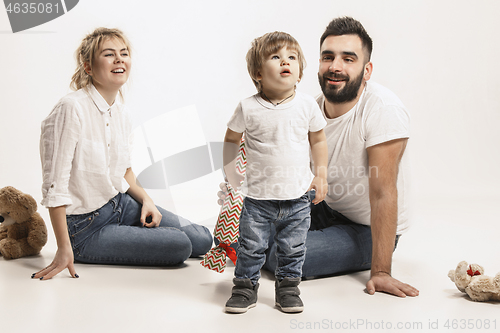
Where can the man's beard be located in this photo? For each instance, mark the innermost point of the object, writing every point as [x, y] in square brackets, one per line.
[346, 94]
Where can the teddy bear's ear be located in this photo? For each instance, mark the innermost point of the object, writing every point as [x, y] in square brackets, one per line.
[29, 203]
[21, 205]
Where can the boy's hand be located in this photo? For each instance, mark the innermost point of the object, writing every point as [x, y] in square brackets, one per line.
[222, 193]
[235, 178]
[321, 186]
[319, 152]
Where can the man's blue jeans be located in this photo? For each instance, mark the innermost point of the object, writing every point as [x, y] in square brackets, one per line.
[290, 219]
[334, 244]
[113, 234]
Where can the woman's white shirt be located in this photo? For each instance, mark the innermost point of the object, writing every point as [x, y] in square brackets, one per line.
[85, 152]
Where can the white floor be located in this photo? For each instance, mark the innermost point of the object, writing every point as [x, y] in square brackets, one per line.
[191, 298]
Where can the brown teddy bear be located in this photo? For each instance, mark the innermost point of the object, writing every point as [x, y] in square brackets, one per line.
[22, 230]
[470, 280]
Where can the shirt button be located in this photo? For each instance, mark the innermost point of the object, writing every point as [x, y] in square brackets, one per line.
[107, 124]
[52, 186]
[109, 145]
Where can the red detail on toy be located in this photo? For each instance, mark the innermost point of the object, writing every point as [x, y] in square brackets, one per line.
[471, 273]
[231, 253]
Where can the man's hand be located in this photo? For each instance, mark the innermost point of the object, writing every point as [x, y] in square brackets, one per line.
[384, 158]
[383, 282]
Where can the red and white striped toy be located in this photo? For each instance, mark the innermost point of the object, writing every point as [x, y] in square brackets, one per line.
[227, 227]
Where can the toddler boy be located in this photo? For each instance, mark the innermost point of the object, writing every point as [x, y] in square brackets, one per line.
[281, 126]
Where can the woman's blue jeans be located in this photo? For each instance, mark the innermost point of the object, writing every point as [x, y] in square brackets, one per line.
[113, 234]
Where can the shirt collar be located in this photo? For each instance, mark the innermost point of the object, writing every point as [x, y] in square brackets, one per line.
[98, 100]
[269, 105]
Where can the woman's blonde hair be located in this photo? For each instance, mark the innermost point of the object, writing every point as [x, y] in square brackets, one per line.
[88, 49]
[267, 44]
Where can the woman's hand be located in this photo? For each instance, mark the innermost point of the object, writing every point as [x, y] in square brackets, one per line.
[150, 215]
[63, 259]
[64, 255]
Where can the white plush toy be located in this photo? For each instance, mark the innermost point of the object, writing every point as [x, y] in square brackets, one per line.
[470, 280]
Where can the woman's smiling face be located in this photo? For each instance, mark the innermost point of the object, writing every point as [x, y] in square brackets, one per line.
[111, 65]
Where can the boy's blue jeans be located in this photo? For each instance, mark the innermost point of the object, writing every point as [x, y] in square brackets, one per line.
[290, 220]
[113, 234]
[335, 244]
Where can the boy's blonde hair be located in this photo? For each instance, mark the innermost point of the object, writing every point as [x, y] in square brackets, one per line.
[267, 44]
[87, 51]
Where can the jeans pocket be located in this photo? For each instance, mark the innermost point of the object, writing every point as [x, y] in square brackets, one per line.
[307, 197]
[79, 223]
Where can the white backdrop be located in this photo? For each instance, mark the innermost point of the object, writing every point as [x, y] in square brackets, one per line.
[439, 57]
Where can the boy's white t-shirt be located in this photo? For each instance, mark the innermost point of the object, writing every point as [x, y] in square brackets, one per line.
[277, 145]
[379, 116]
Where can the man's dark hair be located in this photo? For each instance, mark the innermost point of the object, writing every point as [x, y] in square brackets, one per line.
[348, 26]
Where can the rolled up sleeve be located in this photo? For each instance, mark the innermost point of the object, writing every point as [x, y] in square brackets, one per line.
[59, 137]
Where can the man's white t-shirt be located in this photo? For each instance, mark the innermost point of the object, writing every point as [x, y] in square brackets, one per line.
[277, 145]
[379, 116]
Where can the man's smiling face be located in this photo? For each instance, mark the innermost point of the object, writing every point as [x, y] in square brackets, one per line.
[342, 68]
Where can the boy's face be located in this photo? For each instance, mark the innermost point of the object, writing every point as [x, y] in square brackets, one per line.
[280, 72]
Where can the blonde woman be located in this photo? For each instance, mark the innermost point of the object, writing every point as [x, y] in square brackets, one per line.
[99, 213]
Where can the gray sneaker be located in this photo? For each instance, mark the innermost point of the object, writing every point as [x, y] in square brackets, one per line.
[287, 295]
[244, 296]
